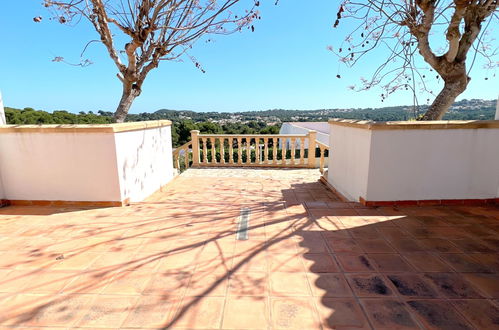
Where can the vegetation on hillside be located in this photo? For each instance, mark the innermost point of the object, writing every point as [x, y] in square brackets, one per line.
[249, 122]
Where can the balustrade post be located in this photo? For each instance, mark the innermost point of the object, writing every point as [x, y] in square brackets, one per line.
[293, 150]
[195, 147]
[312, 136]
[231, 150]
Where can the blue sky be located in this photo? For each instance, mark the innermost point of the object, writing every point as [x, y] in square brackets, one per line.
[283, 64]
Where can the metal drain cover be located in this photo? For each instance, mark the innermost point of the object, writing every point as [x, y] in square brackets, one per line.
[242, 226]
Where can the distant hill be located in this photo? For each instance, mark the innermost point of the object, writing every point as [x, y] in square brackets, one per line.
[464, 110]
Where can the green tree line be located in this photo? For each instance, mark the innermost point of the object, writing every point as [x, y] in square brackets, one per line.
[180, 131]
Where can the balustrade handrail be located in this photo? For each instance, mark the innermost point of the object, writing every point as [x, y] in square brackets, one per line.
[253, 135]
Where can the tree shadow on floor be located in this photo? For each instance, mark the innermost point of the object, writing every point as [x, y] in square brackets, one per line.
[182, 248]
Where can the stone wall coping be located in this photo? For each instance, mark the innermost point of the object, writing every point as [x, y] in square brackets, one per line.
[411, 125]
[85, 128]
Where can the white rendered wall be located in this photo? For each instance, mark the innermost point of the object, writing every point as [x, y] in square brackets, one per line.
[145, 161]
[59, 166]
[3, 120]
[349, 160]
[434, 164]
[414, 164]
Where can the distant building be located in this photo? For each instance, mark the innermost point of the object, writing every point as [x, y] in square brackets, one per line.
[304, 127]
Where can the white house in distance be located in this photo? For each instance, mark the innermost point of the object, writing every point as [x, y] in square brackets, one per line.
[304, 127]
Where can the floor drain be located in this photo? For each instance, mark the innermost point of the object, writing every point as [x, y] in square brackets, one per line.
[242, 228]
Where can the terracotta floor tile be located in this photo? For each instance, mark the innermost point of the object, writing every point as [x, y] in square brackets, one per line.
[80, 261]
[128, 283]
[489, 260]
[249, 284]
[329, 285]
[312, 244]
[479, 231]
[452, 285]
[439, 245]
[438, 314]
[471, 246]
[289, 284]
[286, 246]
[412, 285]
[355, 262]
[425, 262]
[152, 312]
[49, 281]
[177, 262]
[480, 313]
[341, 314]
[285, 263]
[363, 233]
[246, 313]
[391, 233]
[32, 262]
[375, 246]
[465, 263]
[390, 262]
[16, 280]
[171, 253]
[44, 310]
[456, 221]
[331, 235]
[168, 284]
[127, 244]
[223, 246]
[211, 263]
[492, 242]
[348, 245]
[369, 285]
[107, 311]
[388, 314]
[256, 263]
[88, 282]
[294, 313]
[488, 284]
[320, 263]
[404, 245]
[432, 221]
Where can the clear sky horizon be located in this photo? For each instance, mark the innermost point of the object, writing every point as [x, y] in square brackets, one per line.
[284, 64]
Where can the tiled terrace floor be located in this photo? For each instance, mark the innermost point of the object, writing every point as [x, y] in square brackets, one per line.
[310, 262]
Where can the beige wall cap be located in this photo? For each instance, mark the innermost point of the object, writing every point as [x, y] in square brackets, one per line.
[436, 124]
[90, 128]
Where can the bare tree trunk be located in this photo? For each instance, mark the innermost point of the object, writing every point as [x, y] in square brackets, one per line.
[128, 96]
[446, 98]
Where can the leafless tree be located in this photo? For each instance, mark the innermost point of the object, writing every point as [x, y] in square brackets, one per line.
[405, 28]
[156, 30]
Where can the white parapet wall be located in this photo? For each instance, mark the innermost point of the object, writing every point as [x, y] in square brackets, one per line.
[439, 161]
[106, 164]
[145, 161]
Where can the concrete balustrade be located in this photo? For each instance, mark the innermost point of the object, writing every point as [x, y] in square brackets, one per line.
[283, 150]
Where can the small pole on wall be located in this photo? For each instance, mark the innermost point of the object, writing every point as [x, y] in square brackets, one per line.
[3, 121]
[497, 109]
